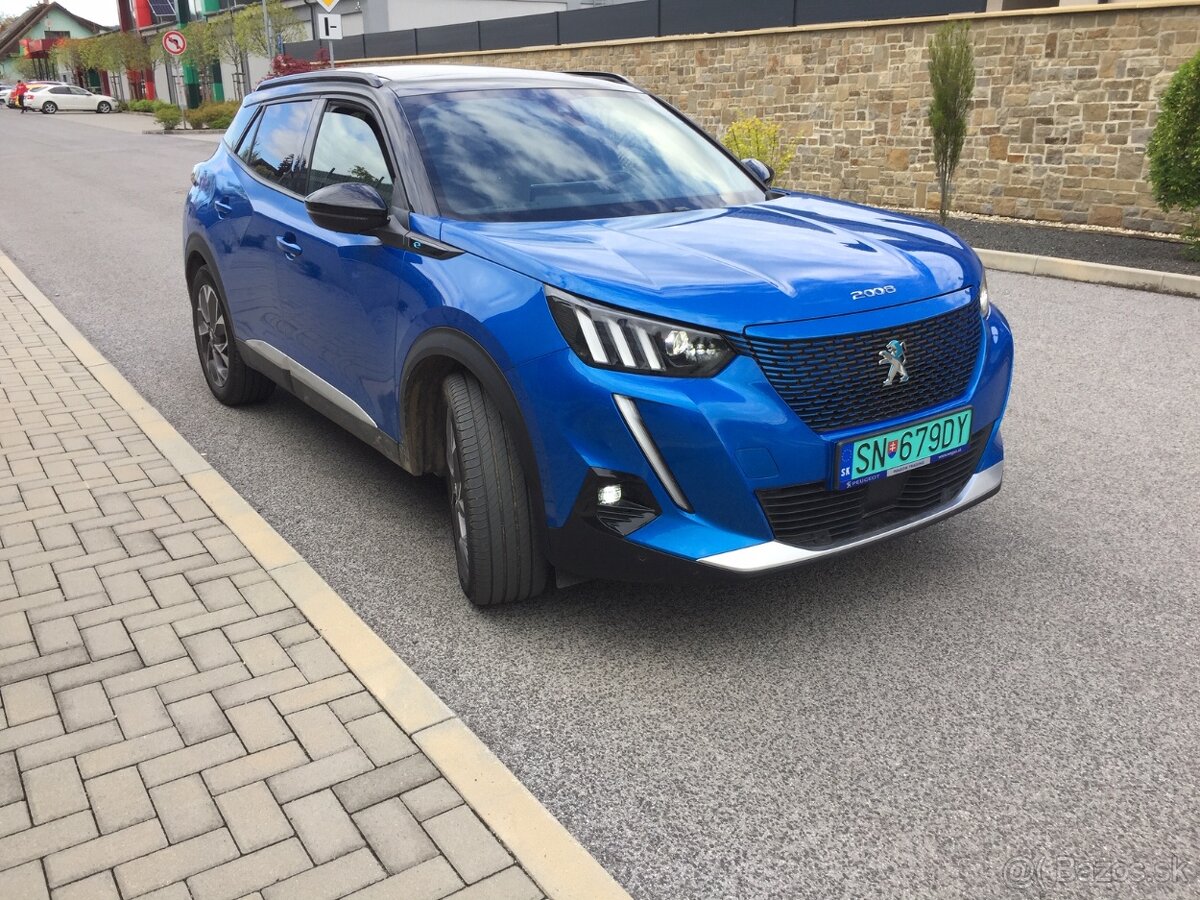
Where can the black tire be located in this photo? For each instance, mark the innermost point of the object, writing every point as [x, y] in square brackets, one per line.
[229, 378]
[49, 108]
[104, 107]
[491, 518]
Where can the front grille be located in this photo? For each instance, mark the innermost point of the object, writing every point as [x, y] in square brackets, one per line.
[814, 517]
[837, 382]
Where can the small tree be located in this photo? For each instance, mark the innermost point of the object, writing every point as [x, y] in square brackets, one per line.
[952, 76]
[750, 138]
[65, 54]
[203, 49]
[1174, 149]
[251, 34]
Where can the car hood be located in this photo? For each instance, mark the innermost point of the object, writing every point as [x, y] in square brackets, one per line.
[795, 258]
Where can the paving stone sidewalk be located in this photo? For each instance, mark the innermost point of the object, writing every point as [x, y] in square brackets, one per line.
[171, 725]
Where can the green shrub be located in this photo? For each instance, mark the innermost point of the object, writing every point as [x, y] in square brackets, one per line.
[952, 77]
[212, 115]
[1174, 149]
[169, 116]
[148, 106]
[750, 138]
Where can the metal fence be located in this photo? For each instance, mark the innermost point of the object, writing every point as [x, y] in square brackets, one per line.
[646, 18]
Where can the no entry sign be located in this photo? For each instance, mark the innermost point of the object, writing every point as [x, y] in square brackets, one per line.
[174, 42]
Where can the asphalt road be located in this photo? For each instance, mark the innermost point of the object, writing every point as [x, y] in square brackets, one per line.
[1018, 683]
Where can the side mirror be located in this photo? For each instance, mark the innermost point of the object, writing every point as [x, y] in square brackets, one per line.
[760, 170]
[349, 207]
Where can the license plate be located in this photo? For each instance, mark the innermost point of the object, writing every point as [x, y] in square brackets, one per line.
[882, 455]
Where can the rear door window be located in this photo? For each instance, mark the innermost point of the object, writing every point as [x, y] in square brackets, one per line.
[275, 152]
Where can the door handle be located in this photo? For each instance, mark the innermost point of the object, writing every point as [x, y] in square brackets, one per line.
[223, 208]
[290, 248]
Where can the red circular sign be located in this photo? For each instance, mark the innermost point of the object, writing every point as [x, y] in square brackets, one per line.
[174, 42]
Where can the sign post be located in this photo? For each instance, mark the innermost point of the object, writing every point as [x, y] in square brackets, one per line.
[175, 44]
[329, 27]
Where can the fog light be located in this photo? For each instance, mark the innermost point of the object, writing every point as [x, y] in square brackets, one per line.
[609, 495]
[616, 501]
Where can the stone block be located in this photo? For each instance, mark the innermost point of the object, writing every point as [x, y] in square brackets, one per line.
[54, 791]
[185, 808]
[323, 826]
[471, 848]
[255, 819]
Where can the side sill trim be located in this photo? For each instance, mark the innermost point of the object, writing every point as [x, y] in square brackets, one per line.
[633, 419]
[774, 554]
[311, 380]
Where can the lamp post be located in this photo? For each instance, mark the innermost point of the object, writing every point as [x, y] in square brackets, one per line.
[267, 32]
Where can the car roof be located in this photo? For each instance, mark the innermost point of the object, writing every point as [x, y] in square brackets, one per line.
[428, 79]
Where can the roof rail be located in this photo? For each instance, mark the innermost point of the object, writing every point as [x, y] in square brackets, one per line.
[367, 78]
[604, 76]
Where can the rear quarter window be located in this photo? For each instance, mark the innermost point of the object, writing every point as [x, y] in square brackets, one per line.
[237, 128]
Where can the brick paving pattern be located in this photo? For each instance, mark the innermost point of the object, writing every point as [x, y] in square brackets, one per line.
[171, 725]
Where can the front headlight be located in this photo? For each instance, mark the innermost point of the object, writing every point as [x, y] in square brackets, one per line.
[985, 302]
[615, 339]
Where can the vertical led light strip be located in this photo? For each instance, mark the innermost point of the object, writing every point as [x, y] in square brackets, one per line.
[633, 419]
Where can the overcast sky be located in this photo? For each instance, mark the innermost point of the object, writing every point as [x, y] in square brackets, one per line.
[102, 11]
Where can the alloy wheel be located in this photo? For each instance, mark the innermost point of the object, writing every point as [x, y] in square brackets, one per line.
[213, 335]
[458, 503]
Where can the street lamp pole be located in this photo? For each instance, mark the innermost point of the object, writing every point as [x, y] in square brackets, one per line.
[267, 33]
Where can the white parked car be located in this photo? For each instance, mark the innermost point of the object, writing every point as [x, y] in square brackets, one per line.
[11, 101]
[51, 98]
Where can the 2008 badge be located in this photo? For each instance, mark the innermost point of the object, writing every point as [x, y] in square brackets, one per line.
[873, 292]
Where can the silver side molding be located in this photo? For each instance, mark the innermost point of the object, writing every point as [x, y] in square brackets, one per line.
[633, 419]
[773, 554]
[311, 380]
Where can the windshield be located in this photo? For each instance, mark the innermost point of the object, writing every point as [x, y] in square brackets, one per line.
[554, 154]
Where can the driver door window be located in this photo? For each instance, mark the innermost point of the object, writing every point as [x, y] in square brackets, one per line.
[350, 148]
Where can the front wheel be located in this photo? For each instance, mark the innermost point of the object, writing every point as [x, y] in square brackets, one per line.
[49, 108]
[490, 510]
[104, 107]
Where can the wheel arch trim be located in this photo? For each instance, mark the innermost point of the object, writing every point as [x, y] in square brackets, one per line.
[461, 350]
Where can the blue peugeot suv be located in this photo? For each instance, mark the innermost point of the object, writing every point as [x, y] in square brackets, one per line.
[629, 355]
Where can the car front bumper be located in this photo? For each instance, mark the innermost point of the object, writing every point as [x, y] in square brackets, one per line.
[707, 449]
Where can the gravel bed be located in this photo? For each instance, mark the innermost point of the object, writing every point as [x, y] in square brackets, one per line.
[1086, 244]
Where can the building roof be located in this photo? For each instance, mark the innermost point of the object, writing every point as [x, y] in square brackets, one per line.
[21, 25]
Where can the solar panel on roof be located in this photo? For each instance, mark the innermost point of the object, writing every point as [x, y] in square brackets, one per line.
[163, 8]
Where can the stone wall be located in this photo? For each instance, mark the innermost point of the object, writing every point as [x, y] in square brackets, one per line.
[1065, 103]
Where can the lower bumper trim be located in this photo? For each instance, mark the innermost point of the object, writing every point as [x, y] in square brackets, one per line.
[774, 554]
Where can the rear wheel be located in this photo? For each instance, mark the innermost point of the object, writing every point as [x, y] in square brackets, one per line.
[49, 108]
[229, 378]
[490, 511]
[104, 107]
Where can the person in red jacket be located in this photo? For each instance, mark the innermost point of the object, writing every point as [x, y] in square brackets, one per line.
[19, 93]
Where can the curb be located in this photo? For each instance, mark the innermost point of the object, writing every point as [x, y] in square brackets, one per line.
[1095, 273]
[558, 863]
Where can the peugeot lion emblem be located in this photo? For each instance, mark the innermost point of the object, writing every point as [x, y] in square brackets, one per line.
[893, 356]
